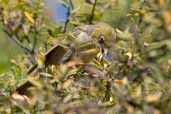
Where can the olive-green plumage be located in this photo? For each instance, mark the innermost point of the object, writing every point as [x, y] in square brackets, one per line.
[101, 35]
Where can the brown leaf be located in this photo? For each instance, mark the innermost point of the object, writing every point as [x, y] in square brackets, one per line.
[54, 55]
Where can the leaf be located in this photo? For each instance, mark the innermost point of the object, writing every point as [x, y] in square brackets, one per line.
[166, 17]
[153, 97]
[130, 55]
[162, 2]
[35, 82]
[29, 17]
[119, 82]
[66, 84]
[73, 63]
[156, 45]
[20, 101]
[46, 74]
[89, 52]
[55, 55]
[87, 55]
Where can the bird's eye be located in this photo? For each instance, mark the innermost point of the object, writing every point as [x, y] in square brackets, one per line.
[101, 39]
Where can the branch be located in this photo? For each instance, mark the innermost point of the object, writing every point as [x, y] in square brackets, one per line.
[92, 12]
[14, 39]
[71, 6]
[67, 20]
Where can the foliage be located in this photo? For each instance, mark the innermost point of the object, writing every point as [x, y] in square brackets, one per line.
[133, 79]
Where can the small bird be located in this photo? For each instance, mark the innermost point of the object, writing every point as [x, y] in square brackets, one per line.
[87, 38]
[86, 33]
[100, 35]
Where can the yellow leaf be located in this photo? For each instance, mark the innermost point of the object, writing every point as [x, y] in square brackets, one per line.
[162, 2]
[166, 17]
[119, 82]
[14, 61]
[142, 12]
[41, 60]
[16, 5]
[130, 55]
[29, 17]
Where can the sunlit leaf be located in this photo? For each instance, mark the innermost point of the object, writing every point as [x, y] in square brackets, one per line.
[166, 17]
[153, 97]
[29, 17]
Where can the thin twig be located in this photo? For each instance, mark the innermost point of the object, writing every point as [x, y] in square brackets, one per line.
[11, 36]
[26, 50]
[71, 6]
[14, 39]
[92, 12]
[34, 41]
[67, 20]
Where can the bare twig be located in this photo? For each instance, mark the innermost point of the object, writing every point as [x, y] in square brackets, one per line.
[26, 50]
[67, 20]
[92, 12]
[71, 6]
[14, 39]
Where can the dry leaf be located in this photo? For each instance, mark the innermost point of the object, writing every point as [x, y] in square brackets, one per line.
[73, 63]
[67, 83]
[55, 55]
[17, 96]
[31, 101]
[166, 17]
[153, 97]
[20, 101]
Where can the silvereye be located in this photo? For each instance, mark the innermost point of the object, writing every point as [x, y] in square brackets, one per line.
[100, 35]
[87, 38]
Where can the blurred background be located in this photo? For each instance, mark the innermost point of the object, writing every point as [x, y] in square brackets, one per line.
[8, 49]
